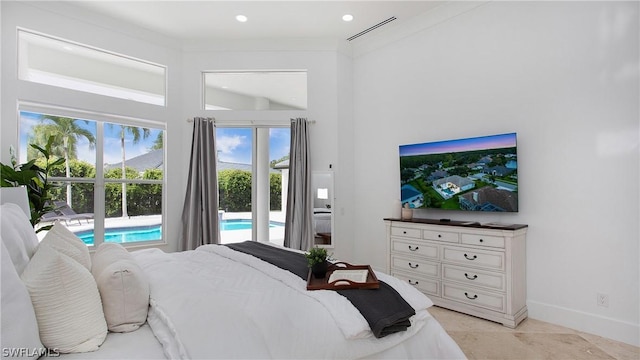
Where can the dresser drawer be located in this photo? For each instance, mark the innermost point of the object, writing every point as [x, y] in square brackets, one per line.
[473, 257]
[415, 248]
[440, 236]
[474, 277]
[427, 286]
[473, 296]
[415, 266]
[406, 232]
[483, 240]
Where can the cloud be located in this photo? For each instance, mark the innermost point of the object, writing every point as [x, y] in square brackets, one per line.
[227, 144]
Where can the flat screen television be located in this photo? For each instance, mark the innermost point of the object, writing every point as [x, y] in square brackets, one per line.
[472, 174]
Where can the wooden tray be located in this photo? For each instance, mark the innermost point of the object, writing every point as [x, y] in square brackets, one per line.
[321, 284]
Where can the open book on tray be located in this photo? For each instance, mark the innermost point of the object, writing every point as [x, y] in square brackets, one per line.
[359, 276]
[342, 275]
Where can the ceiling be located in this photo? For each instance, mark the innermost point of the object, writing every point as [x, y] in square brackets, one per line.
[202, 20]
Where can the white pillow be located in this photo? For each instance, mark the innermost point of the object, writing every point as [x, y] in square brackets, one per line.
[19, 326]
[68, 243]
[18, 235]
[66, 302]
[123, 286]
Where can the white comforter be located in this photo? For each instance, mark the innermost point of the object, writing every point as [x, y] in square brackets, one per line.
[217, 303]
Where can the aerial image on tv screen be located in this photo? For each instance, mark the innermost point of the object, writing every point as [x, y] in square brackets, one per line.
[472, 174]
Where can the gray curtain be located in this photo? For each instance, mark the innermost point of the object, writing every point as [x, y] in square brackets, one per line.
[298, 232]
[200, 212]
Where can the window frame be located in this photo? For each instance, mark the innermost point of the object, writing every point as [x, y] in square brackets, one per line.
[24, 72]
[100, 181]
[256, 127]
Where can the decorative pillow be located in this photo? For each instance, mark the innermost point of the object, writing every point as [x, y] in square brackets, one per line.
[66, 302]
[18, 235]
[123, 286]
[19, 326]
[63, 240]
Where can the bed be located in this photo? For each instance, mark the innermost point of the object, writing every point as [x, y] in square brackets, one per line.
[322, 220]
[214, 302]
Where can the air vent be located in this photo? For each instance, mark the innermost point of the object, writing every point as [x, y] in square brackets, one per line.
[382, 23]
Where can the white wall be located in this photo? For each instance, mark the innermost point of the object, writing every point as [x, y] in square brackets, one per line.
[564, 76]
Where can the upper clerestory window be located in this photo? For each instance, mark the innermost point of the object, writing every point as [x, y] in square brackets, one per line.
[57, 62]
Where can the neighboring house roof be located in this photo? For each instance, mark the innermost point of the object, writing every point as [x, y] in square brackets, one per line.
[408, 192]
[459, 181]
[490, 199]
[485, 160]
[155, 160]
[437, 174]
[499, 170]
[284, 164]
[223, 165]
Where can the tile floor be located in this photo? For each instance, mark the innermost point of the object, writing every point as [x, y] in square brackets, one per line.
[532, 339]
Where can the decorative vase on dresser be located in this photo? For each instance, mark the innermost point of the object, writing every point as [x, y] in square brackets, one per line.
[475, 269]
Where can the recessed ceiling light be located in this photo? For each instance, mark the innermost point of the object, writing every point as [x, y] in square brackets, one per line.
[347, 17]
[241, 18]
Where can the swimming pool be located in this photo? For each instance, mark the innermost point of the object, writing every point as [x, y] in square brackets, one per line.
[242, 224]
[154, 232]
[448, 191]
[125, 234]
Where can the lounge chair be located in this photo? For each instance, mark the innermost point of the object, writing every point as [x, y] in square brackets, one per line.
[66, 213]
[52, 216]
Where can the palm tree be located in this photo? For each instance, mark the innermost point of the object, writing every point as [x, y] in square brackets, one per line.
[158, 143]
[66, 132]
[135, 132]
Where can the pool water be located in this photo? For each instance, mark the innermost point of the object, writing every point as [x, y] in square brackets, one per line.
[242, 224]
[154, 232]
[448, 191]
[125, 234]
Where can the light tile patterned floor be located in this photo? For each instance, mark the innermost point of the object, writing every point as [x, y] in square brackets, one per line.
[532, 339]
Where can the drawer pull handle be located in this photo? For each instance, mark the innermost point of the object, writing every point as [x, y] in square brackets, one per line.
[470, 258]
[404, 232]
[481, 240]
[470, 277]
[413, 282]
[471, 297]
[413, 248]
[414, 266]
[439, 235]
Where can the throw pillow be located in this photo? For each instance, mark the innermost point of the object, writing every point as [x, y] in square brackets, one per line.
[66, 302]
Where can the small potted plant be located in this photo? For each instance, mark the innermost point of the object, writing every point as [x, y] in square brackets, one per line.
[317, 259]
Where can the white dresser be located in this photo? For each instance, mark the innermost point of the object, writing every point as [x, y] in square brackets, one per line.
[475, 269]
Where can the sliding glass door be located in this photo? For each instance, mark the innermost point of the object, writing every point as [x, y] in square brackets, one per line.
[252, 174]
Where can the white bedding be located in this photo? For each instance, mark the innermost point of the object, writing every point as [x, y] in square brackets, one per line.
[322, 220]
[212, 303]
[139, 344]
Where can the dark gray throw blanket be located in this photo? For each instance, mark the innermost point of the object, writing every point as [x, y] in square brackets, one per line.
[383, 308]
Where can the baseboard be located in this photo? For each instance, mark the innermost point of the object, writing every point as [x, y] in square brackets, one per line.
[609, 328]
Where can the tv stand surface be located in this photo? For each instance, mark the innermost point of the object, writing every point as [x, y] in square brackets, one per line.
[477, 269]
[463, 223]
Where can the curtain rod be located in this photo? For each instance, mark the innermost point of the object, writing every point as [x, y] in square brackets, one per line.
[253, 122]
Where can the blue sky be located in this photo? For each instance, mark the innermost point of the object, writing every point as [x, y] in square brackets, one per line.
[469, 144]
[233, 144]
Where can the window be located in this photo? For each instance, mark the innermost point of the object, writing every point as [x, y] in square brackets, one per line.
[252, 175]
[255, 90]
[107, 205]
[57, 62]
